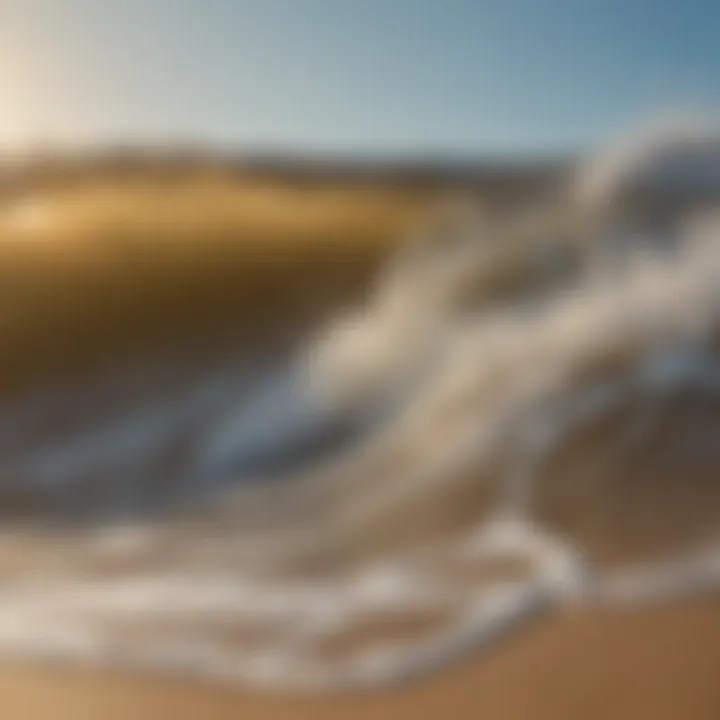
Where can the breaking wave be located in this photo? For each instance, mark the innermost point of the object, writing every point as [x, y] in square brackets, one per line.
[523, 415]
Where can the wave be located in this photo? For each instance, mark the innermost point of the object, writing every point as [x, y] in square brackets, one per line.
[522, 416]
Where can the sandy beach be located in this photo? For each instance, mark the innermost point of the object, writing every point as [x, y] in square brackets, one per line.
[659, 664]
[202, 300]
[359, 360]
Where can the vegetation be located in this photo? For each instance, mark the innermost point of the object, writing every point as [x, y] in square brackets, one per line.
[96, 270]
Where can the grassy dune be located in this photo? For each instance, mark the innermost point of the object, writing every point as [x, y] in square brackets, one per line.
[94, 272]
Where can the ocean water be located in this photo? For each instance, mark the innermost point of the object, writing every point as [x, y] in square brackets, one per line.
[515, 421]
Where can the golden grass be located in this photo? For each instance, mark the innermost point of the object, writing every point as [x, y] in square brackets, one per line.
[94, 272]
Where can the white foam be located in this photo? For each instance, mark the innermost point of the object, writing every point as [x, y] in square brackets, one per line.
[448, 396]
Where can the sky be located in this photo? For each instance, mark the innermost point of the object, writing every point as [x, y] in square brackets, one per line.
[430, 77]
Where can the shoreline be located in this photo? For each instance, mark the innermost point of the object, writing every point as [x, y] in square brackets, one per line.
[658, 663]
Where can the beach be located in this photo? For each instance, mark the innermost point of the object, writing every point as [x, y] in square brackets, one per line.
[222, 440]
[659, 664]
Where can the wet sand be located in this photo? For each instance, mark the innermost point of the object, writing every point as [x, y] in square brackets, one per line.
[659, 664]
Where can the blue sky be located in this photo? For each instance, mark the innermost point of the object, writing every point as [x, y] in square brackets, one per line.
[457, 77]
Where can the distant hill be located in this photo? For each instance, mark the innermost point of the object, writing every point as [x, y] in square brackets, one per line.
[503, 179]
